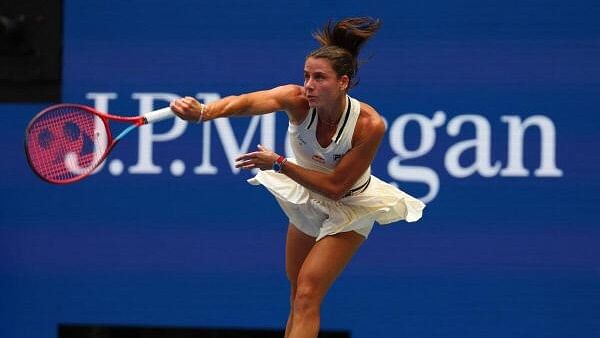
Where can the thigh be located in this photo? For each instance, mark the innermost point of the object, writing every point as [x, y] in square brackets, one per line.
[326, 260]
[297, 247]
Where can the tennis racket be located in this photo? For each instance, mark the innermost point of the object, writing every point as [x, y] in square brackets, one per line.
[65, 143]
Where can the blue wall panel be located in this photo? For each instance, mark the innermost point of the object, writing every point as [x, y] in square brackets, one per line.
[498, 253]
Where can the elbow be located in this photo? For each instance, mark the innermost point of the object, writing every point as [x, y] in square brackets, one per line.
[335, 193]
[337, 197]
[335, 189]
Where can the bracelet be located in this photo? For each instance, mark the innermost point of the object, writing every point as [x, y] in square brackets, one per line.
[278, 164]
[202, 109]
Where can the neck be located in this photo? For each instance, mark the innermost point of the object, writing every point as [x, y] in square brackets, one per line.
[331, 115]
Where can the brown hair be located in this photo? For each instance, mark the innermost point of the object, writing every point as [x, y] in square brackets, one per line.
[341, 42]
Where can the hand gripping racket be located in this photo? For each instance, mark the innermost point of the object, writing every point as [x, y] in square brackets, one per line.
[64, 143]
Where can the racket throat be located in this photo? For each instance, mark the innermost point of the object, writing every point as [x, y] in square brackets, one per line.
[125, 132]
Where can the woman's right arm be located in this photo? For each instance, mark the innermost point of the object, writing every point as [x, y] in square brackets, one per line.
[288, 98]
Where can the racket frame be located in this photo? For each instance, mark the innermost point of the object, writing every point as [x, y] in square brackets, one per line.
[135, 121]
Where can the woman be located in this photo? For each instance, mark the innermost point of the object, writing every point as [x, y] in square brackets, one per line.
[327, 189]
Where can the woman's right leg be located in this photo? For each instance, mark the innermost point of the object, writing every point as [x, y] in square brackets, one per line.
[297, 247]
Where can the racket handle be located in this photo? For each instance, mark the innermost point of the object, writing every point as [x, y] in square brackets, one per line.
[159, 115]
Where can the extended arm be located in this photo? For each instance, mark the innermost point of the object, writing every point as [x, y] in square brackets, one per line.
[288, 98]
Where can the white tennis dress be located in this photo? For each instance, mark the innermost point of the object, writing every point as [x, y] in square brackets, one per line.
[369, 199]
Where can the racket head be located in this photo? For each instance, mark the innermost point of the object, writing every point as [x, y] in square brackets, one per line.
[65, 143]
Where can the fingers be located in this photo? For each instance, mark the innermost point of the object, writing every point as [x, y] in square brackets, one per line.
[261, 159]
[248, 156]
[245, 164]
[185, 107]
[183, 103]
[249, 162]
[246, 161]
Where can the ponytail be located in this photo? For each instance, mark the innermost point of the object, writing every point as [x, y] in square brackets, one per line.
[349, 34]
[341, 43]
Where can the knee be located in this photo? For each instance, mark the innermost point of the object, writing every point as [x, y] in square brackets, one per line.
[292, 294]
[306, 299]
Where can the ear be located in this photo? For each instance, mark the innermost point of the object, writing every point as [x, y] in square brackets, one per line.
[344, 82]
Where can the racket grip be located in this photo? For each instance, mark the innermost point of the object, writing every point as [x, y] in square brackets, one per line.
[159, 115]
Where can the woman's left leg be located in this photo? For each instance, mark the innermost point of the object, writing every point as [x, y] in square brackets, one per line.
[324, 263]
[297, 246]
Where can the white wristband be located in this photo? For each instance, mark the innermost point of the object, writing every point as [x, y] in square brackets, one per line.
[202, 109]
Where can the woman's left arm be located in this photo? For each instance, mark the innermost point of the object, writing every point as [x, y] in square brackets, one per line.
[366, 140]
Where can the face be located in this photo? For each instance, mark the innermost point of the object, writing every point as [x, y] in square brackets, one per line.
[322, 85]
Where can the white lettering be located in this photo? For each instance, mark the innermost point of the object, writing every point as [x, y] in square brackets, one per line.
[100, 104]
[147, 138]
[516, 132]
[230, 144]
[101, 100]
[481, 143]
[206, 167]
[400, 167]
[413, 173]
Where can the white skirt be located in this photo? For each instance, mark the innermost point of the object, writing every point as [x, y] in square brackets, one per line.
[380, 202]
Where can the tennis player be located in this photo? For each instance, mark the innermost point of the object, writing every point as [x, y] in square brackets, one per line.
[326, 189]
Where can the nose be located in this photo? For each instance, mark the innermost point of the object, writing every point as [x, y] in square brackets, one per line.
[308, 83]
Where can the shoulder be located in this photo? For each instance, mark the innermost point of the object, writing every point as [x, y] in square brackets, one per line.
[290, 94]
[293, 99]
[370, 119]
[369, 126]
[289, 89]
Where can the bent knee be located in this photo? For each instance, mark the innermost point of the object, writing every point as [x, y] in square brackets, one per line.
[306, 298]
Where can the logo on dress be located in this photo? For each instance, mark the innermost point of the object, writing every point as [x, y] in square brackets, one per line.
[318, 158]
[337, 157]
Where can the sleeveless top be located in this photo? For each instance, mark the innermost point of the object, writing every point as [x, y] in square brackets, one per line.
[370, 199]
[310, 154]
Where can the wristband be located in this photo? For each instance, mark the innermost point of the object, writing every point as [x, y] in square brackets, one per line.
[202, 109]
[278, 164]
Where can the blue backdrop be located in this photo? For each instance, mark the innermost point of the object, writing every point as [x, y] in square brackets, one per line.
[492, 111]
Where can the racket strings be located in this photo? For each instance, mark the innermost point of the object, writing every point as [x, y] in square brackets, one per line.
[65, 143]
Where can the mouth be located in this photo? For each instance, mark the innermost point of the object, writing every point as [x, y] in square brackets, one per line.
[312, 101]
